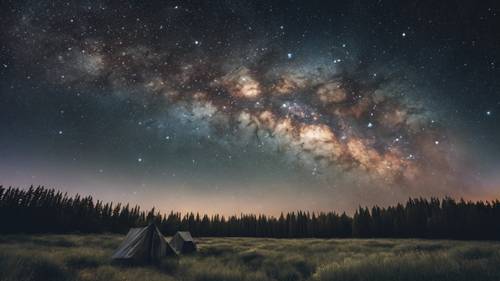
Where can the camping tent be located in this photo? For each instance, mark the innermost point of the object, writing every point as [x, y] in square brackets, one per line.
[143, 245]
[182, 243]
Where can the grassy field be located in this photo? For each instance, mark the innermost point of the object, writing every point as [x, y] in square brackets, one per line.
[86, 257]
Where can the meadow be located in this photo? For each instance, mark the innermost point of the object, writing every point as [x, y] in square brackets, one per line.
[86, 257]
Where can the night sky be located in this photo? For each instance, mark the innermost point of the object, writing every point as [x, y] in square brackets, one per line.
[251, 106]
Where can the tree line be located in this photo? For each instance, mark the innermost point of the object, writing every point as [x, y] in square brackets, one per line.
[43, 210]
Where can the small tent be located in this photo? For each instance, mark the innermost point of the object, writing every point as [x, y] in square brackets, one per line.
[183, 243]
[143, 245]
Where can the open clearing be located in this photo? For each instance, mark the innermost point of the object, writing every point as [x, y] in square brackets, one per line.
[86, 257]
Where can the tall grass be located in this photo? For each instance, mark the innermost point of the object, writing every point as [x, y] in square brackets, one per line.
[86, 257]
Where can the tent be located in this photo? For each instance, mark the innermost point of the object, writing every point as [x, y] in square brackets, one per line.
[182, 243]
[143, 245]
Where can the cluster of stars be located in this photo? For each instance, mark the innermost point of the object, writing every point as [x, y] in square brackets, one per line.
[329, 108]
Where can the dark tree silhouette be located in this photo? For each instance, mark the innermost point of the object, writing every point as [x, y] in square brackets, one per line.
[42, 210]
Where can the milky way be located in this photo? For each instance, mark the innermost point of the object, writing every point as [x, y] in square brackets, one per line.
[225, 76]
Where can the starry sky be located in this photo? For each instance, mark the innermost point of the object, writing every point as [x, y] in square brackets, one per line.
[251, 106]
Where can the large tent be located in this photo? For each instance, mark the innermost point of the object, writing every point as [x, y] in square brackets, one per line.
[143, 245]
[182, 243]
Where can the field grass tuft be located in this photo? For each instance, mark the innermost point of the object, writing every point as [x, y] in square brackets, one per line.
[83, 261]
[31, 268]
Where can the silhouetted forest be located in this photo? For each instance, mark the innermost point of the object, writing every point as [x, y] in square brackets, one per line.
[42, 210]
